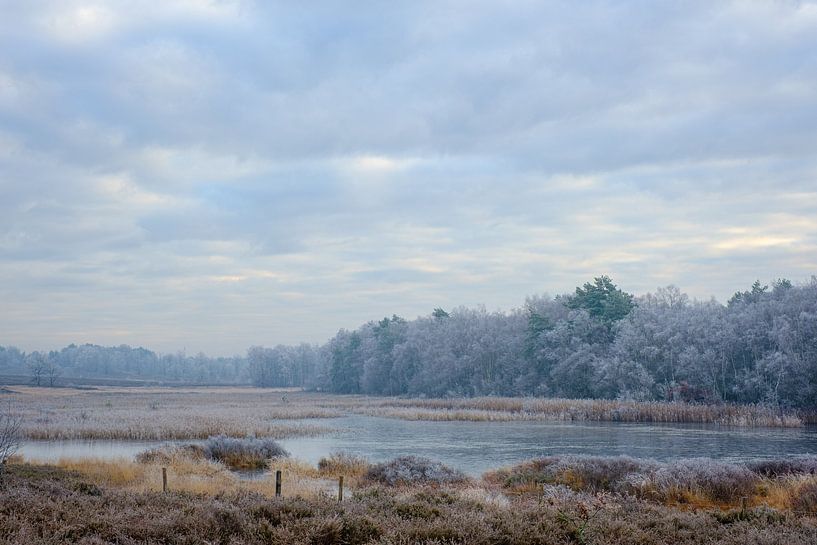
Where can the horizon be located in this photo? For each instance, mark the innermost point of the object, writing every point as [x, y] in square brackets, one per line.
[216, 175]
[295, 342]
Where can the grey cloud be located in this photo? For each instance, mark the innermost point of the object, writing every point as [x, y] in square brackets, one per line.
[165, 170]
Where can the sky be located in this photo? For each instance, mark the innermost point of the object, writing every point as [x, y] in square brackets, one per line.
[210, 175]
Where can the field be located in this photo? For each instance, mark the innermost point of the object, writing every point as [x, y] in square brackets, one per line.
[98, 502]
[559, 499]
[197, 413]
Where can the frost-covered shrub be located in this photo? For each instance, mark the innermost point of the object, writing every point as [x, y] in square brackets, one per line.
[806, 498]
[720, 481]
[414, 470]
[591, 473]
[782, 467]
[236, 453]
[682, 480]
[243, 453]
[596, 473]
[166, 454]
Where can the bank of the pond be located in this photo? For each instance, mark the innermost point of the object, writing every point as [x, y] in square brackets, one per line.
[475, 447]
[49, 505]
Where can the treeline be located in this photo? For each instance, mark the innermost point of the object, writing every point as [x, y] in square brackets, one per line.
[598, 342]
[120, 362]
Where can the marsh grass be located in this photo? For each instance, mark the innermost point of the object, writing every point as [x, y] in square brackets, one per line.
[567, 410]
[343, 463]
[165, 413]
[179, 414]
[199, 476]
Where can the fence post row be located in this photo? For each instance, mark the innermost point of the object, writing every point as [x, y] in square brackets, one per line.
[340, 488]
[164, 479]
[278, 483]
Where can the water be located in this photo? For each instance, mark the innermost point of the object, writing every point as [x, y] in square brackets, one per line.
[475, 447]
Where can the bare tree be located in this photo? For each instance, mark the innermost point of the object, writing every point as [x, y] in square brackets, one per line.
[37, 366]
[52, 373]
[9, 436]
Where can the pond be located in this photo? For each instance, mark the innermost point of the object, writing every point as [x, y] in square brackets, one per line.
[475, 447]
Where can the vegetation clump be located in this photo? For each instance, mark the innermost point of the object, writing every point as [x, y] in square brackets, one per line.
[712, 479]
[233, 452]
[244, 453]
[787, 466]
[805, 499]
[698, 482]
[343, 463]
[167, 454]
[407, 470]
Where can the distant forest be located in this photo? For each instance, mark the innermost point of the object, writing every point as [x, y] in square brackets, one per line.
[598, 342]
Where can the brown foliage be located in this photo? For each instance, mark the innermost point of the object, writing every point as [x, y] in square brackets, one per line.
[49, 506]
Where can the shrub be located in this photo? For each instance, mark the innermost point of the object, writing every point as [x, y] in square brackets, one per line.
[591, 473]
[720, 481]
[805, 499]
[246, 453]
[166, 454]
[709, 479]
[414, 470]
[759, 515]
[596, 473]
[782, 467]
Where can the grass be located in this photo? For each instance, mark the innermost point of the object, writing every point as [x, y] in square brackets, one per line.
[165, 413]
[343, 463]
[105, 504]
[506, 409]
[198, 413]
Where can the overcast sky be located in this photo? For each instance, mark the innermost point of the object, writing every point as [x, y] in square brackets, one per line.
[210, 175]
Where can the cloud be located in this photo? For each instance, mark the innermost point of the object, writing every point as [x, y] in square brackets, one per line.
[218, 174]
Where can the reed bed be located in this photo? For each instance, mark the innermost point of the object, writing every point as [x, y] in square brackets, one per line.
[506, 409]
[171, 414]
[444, 415]
[165, 414]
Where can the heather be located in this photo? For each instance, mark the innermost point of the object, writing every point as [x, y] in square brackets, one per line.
[412, 470]
[49, 505]
[693, 482]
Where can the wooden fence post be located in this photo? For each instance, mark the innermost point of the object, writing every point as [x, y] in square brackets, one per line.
[278, 483]
[340, 488]
[164, 479]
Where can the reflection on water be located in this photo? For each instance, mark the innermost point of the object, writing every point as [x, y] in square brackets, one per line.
[476, 447]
